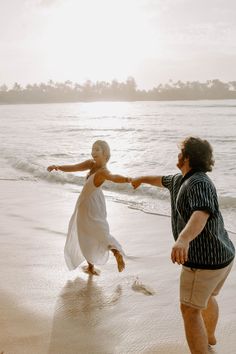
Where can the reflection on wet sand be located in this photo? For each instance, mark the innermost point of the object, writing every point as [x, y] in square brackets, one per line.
[79, 323]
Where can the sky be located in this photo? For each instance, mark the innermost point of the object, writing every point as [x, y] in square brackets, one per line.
[153, 41]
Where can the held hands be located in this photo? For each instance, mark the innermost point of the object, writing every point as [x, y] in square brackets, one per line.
[179, 252]
[52, 167]
[135, 182]
[128, 180]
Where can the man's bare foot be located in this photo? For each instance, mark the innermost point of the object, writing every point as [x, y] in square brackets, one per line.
[119, 260]
[212, 340]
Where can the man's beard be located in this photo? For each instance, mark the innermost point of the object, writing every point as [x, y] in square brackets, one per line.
[180, 163]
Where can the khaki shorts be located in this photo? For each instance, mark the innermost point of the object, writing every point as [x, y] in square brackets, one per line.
[198, 285]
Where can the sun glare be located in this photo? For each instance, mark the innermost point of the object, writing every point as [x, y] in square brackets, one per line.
[86, 41]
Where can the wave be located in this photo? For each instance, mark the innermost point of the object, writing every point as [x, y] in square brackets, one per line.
[33, 171]
[39, 172]
[112, 129]
[147, 199]
[55, 155]
[162, 208]
[145, 193]
[202, 103]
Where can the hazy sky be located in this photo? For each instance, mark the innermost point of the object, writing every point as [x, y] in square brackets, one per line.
[151, 40]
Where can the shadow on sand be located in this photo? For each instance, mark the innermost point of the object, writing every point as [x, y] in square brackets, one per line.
[79, 323]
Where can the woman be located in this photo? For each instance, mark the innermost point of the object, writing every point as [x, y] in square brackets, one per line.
[88, 233]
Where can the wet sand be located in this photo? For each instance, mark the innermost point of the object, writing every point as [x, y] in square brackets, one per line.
[46, 309]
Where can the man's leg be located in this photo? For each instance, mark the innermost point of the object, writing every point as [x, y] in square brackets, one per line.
[210, 316]
[195, 330]
[196, 289]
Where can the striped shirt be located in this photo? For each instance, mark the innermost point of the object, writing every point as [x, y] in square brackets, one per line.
[212, 248]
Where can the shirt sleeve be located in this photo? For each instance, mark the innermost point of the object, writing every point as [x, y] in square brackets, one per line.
[167, 181]
[201, 196]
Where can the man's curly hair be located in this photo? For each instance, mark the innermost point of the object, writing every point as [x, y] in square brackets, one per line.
[199, 152]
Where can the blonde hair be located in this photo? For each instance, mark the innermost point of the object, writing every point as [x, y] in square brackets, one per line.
[105, 148]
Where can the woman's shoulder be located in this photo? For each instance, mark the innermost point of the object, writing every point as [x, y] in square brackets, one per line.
[103, 171]
[91, 163]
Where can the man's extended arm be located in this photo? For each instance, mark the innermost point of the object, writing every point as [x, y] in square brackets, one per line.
[153, 180]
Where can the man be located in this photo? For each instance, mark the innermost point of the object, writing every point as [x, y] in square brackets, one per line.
[202, 244]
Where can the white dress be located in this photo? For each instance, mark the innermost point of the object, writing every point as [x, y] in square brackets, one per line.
[88, 235]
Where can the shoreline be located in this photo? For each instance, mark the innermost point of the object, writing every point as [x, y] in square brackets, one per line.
[115, 101]
[45, 309]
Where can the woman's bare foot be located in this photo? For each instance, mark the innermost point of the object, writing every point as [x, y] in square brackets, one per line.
[91, 270]
[119, 260]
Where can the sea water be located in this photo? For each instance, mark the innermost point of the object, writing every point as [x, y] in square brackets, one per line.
[143, 137]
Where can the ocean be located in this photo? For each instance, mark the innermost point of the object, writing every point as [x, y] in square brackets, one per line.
[143, 137]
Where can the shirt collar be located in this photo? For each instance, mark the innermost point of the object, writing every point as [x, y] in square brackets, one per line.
[188, 174]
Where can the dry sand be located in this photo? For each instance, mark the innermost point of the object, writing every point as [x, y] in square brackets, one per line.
[45, 309]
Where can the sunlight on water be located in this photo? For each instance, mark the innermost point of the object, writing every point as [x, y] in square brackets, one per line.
[107, 109]
[143, 137]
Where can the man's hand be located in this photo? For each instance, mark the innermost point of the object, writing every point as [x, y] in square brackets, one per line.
[192, 229]
[136, 182]
[179, 252]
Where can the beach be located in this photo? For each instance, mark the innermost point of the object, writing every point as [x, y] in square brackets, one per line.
[46, 309]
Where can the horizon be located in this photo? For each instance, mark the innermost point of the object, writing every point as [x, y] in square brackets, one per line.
[170, 83]
[152, 41]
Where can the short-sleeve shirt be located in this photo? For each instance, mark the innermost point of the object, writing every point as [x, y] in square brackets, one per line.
[212, 248]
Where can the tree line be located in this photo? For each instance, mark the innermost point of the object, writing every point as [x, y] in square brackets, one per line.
[68, 91]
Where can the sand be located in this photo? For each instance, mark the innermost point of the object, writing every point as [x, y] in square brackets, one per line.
[46, 309]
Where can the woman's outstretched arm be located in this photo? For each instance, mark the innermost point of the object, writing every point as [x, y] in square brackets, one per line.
[83, 166]
[105, 174]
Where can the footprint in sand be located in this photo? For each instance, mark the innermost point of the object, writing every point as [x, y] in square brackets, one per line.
[138, 286]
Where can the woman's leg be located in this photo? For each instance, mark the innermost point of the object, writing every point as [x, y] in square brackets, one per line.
[119, 259]
[91, 269]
